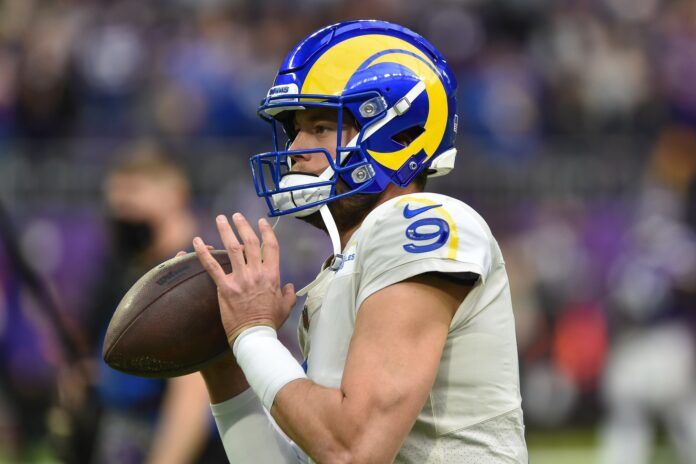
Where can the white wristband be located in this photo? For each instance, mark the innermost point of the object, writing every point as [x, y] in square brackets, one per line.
[267, 364]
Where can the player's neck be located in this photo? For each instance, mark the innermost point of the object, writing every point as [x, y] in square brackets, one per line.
[392, 191]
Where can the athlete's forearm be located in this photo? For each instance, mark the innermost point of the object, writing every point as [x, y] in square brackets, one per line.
[246, 431]
[249, 435]
[332, 427]
[224, 380]
[328, 424]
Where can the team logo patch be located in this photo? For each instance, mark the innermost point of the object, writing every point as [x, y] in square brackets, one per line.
[283, 90]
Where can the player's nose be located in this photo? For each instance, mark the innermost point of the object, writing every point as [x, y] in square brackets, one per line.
[300, 159]
[300, 143]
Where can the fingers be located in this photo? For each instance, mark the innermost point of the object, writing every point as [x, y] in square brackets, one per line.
[235, 250]
[271, 250]
[252, 246]
[182, 252]
[209, 263]
[289, 296]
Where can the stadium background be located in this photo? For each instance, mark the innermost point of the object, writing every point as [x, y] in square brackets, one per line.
[576, 143]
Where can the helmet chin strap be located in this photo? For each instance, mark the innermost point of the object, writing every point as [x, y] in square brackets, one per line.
[337, 259]
[332, 229]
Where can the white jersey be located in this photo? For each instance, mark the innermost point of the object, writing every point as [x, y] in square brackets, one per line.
[473, 412]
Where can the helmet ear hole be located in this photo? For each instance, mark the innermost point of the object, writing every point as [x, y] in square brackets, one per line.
[406, 136]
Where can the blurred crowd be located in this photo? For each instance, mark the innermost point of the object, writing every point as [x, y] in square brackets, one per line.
[526, 69]
[577, 144]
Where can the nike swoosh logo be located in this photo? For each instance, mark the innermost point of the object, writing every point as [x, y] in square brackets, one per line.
[409, 213]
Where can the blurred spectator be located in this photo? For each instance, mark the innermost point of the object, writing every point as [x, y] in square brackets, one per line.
[46, 87]
[139, 420]
[30, 336]
[677, 59]
[650, 380]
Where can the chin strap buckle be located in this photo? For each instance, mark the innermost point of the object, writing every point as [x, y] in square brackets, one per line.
[336, 262]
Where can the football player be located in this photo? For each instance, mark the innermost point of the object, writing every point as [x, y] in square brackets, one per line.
[408, 330]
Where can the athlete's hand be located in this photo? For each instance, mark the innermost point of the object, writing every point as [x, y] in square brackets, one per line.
[251, 294]
[182, 252]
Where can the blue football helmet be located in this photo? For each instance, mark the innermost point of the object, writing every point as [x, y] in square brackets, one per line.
[392, 81]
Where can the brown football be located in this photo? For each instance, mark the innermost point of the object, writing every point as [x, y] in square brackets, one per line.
[168, 324]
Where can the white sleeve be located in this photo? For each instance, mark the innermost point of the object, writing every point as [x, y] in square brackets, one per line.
[250, 435]
[417, 235]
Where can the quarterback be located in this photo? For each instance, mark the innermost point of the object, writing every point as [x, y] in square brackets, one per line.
[407, 332]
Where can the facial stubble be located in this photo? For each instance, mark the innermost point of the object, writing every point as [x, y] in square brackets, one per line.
[348, 212]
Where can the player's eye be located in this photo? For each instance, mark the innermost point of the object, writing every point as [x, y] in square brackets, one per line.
[320, 129]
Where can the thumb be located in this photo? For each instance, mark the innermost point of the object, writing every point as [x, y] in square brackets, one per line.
[289, 297]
